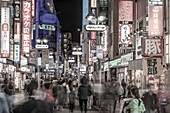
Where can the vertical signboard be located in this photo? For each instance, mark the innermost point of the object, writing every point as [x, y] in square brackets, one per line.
[125, 10]
[93, 3]
[99, 51]
[16, 53]
[17, 80]
[155, 21]
[85, 13]
[11, 52]
[17, 11]
[26, 33]
[104, 41]
[152, 47]
[93, 46]
[93, 35]
[124, 31]
[17, 30]
[32, 58]
[5, 32]
[45, 57]
[59, 44]
[33, 8]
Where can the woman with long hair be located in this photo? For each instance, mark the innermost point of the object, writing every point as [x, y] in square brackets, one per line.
[136, 104]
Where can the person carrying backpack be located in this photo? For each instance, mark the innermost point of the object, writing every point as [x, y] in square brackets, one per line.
[136, 104]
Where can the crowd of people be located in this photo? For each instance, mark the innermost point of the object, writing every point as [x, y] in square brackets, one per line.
[57, 94]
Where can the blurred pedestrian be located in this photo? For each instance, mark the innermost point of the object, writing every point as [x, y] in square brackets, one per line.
[83, 95]
[89, 95]
[48, 88]
[136, 104]
[120, 90]
[123, 83]
[72, 99]
[129, 87]
[162, 98]
[3, 103]
[150, 100]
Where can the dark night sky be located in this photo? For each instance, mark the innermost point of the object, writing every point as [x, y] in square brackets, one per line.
[70, 16]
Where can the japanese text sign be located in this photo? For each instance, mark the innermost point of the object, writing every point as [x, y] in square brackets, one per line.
[93, 35]
[33, 8]
[152, 47]
[155, 21]
[26, 37]
[92, 44]
[16, 53]
[124, 31]
[125, 10]
[93, 3]
[5, 32]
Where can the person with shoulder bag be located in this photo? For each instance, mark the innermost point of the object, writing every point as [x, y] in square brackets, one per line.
[136, 104]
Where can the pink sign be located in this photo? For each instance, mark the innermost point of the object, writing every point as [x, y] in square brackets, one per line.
[93, 44]
[155, 21]
[93, 35]
[124, 31]
[125, 10]
[152, 47]
[5, 31]
[26, 37]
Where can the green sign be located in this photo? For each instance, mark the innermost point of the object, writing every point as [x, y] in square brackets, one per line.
[45, 27]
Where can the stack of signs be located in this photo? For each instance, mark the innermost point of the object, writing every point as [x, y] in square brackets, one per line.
[32, 58]
[45, 57]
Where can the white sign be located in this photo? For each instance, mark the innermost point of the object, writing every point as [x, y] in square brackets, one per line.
[77, 53]
[93, 3]
[95, 27]
[99, 51]
[16, 53]
[39, 61]
[41, 46]
[71, 60]
[24, 61]
[104, 40]
[126, 58]
[106, 66]
[82, 68]
[125, 31]
[5, 32]
[3, 60]
[138, 48]
[95, 59]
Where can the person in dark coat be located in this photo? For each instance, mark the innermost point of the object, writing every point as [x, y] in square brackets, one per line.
[33, 106]
[150, 100]
[124, 87]
[83, 95]
[72, 99]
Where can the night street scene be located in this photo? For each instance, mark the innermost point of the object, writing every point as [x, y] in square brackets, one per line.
[84, 56]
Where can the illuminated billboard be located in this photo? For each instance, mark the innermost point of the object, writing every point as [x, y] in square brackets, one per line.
[5, 32]
[125, 10]
[26, 33]
[155, 21]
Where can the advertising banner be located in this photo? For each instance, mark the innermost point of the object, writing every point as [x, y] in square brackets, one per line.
[85, 13]
[155, 21]
[93, 35]
[17, 31]
[26, 36]
[124, 31]
[45, 57]
[59, 45]
[152, 47]
[93, 3]
[5, 32]
[126, 58]
[32, 58]
[104, 41]
[99, 51]
[16, 53]
[18, 79]
[152, 66]
[93, 46]
[24, 61]
[125, 10]
[11, 56]
[33, 8]
[16, 11]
